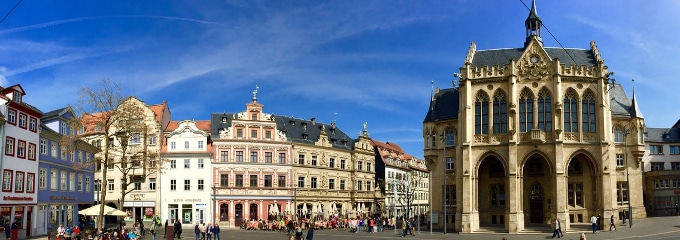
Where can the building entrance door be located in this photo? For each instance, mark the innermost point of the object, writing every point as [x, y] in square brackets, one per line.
[536, 203]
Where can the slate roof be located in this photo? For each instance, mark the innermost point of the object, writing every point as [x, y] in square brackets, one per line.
[293, 128]
[500, 57]
[53, 113]
[444, 105]
[620, 104]
[666, 135]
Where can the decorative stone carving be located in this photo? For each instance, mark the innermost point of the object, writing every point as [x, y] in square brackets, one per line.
[533, 70]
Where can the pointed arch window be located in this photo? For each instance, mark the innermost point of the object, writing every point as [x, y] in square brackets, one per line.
[482, 114]
[526, 111]
[570, 112]
[588, 110]
[544, 111]
[500, 113]
[618, 134]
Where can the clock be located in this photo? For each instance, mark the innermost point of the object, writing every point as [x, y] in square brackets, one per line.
[533, 59]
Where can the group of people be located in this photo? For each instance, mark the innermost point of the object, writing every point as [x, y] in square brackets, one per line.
[11, 230]
[68, 233]
[204, 232]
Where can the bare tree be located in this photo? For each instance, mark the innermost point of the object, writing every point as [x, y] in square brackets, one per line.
[406, 189]
[104, 114]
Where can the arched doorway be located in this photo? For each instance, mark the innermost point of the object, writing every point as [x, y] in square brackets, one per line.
[253, 211]
[536, 203]
[537, 181]
[491, 191]
[224, 212]
[582, 189]
[238, 210]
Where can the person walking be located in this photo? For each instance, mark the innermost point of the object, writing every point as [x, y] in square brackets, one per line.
[7, 228]
[611, 223]
[216, 231]
[404, 227]
[558, 229]
[153, 228]
[197, 231]
[177, 227]
[310, 234]
[15, 230]
[593, 220]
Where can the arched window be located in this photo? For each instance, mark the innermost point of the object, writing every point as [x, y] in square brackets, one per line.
[224, 212]
[544, 111]
[588, 110]
[618, 134]
[570, 112]
[482, 114]
[526, 111]
[500, 113]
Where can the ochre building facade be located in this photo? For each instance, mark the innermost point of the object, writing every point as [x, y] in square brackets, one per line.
[536, 136]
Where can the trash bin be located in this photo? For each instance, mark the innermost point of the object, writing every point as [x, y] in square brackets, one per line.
[169, 233]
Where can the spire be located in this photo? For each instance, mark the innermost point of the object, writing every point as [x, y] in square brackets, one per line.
[255, 93]
[533, 25]
[634, 109]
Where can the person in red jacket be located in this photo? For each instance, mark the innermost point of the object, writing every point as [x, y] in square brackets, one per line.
[15, 230]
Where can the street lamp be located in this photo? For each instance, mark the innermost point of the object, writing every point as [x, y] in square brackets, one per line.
[214, 203]
[626, 131]
[445, 138]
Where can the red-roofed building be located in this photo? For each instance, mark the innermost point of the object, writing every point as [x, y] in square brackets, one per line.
[404, 180]
[19, 161]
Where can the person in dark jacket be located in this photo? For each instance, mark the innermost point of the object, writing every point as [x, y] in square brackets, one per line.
[7, 229]
[310, 234]
[178, 229]
[216, 232]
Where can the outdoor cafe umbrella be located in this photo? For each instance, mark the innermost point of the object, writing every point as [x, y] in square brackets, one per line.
[94, 211]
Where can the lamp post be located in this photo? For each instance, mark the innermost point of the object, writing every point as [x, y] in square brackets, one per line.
[626, 131]
[445, 138]
[214, 203]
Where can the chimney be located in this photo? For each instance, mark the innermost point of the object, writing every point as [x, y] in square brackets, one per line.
[313, 120]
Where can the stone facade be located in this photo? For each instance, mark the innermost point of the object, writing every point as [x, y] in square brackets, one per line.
[534, 139]
[140, 203]
[662, 170]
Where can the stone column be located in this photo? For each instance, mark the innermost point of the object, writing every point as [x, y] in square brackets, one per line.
[232, 214]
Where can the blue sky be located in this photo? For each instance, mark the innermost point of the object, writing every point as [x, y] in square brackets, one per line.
[368, 61]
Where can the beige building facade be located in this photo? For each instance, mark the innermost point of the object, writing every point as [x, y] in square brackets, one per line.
[143, 201]
[267, 166]
[530, 133]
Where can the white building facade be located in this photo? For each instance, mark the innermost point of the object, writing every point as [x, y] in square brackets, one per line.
[18, 160]
[187, 178]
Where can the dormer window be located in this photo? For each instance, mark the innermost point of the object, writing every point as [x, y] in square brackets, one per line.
[304, 126]
[304, 136]
[253, 116]
[16, 97]
[224, 119]
[292, 123]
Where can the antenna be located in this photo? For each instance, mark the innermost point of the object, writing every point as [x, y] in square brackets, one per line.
[431, 90]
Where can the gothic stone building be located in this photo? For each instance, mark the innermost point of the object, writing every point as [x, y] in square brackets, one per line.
[534, 134]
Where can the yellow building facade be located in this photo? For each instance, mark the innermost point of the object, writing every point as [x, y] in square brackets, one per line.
[532, 134]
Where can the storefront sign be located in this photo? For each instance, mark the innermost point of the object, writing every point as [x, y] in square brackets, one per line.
[139, 204]
[11, 198]
[188, 200]
[70, 198]
[137, 196]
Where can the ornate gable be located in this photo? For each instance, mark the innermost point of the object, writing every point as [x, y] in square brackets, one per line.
[534, 63]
